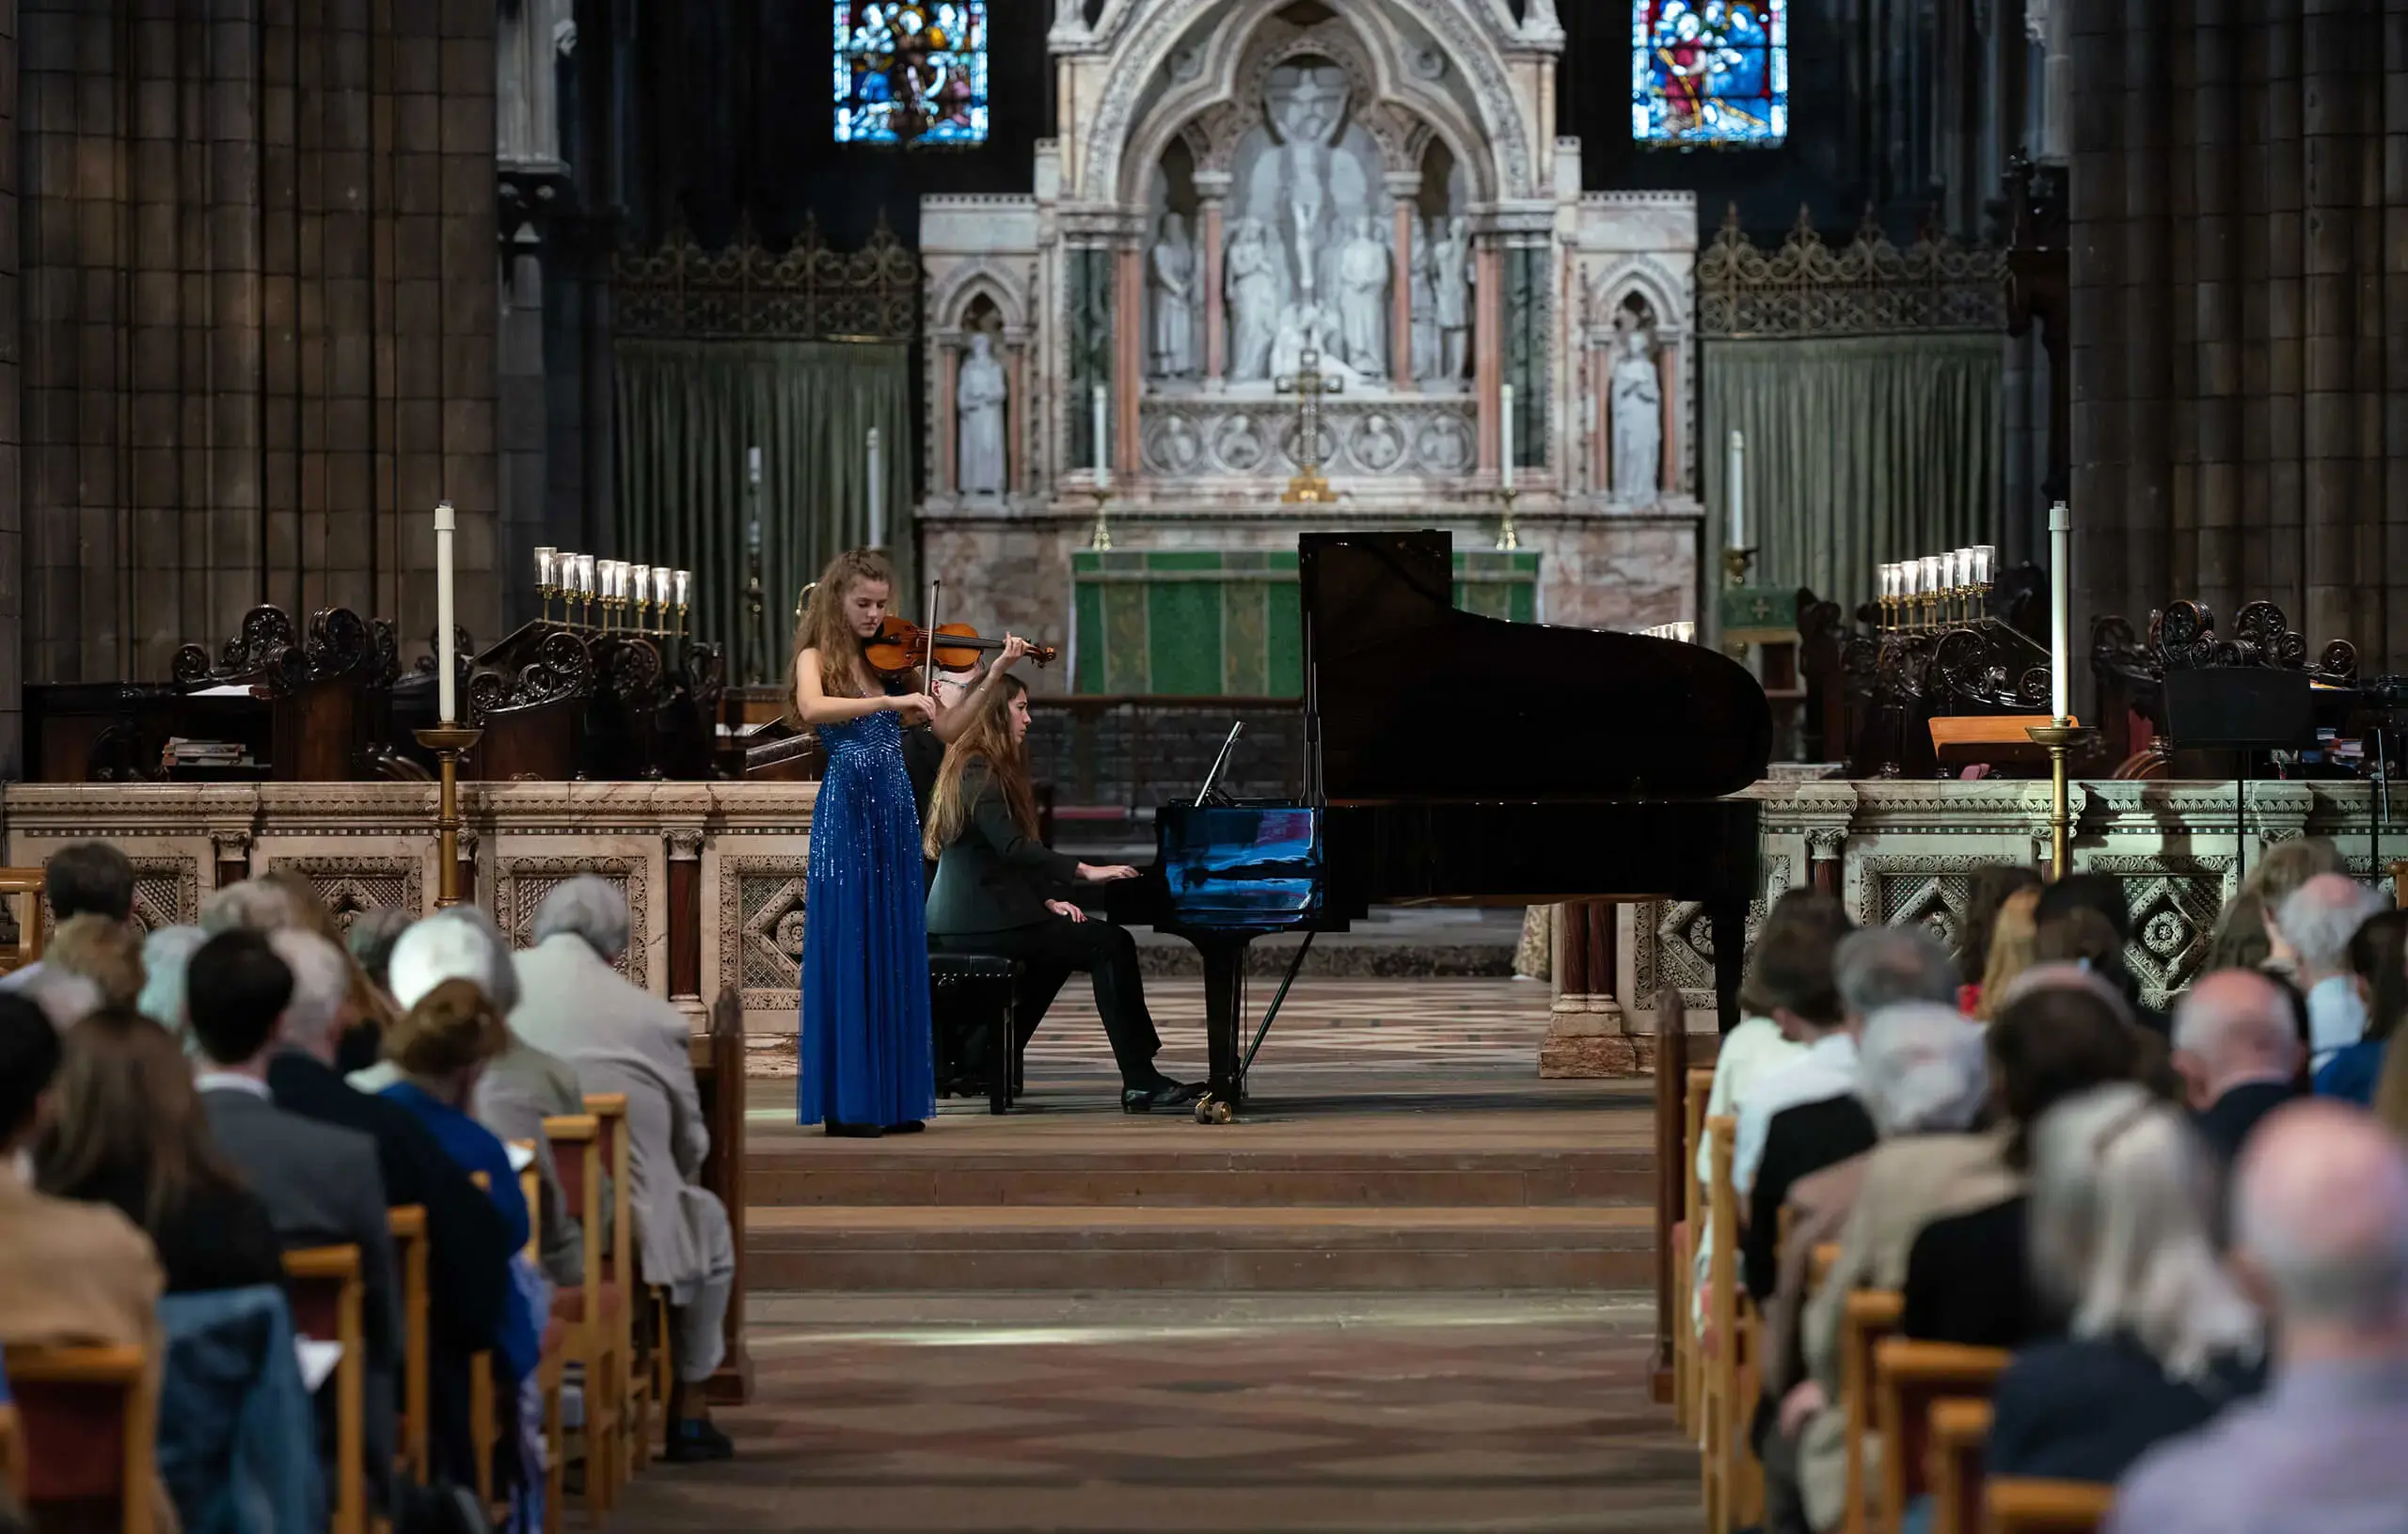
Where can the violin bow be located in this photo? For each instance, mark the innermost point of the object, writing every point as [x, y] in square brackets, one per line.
[929, 665]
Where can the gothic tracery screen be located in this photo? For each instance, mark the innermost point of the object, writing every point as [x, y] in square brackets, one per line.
[1709, 72]
[911, 72]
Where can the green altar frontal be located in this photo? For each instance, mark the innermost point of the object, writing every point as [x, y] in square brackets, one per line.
[1203, 623]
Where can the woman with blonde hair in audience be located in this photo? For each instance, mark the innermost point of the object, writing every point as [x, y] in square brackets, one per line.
[128, 1130]
[107, 954]
[1990, 888]
[2013, 949]
[2158, 1337]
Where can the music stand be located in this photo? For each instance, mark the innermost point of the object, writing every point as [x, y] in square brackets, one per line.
[2243, 708]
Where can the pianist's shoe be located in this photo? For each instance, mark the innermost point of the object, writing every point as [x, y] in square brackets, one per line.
[1165, 1093]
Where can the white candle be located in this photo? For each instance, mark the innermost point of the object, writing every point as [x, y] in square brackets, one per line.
[753, 465]
[877, 494]
[2061, 612]
[1505, 436]
[1736, 476]
[1100, 400]
[446, 657]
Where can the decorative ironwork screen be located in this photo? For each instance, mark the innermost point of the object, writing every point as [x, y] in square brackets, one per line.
[1867, 287]
[749, 292]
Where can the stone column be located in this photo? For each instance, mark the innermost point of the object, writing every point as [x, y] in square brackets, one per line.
[1585, 1035]
[12, 521]
[1405, 189]
[948, 442]
[1668, 383]
[1015, 406]
[1129, 354]
[1213, 187]
[1488, 353]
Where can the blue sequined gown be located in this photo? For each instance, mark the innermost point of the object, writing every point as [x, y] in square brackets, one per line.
[865, 1053]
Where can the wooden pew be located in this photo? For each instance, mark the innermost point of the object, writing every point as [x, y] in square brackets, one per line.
[1960, 1436]
[1676, 1143]
[407, 1224]
[23, 887]
[718, 1059]
[1869, 1316]
[620, 1276]
[89, 1419]
[1907, 1377]
[1733, 1481]
[592, 1335]
[1688, 1361]
[12, 1454]
[2020, 1505]
[326, 1291]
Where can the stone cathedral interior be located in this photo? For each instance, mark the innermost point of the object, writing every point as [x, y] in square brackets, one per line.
[1319, 766]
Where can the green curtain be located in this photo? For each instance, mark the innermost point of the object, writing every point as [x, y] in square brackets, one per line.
[1860, 449]
[686, 412]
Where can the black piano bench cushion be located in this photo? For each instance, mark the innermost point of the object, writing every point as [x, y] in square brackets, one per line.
[975, 998]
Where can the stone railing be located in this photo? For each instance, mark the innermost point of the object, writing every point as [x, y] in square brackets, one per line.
[1905, 851]
[713, 872]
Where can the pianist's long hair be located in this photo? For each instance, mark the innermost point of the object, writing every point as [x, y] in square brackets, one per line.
[821, 626]
[988, 741]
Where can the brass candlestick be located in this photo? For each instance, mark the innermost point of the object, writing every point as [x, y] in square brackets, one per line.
[1508, 536]
[2059, 738]
[1734, 565]
[1101, 537]
[447, 741]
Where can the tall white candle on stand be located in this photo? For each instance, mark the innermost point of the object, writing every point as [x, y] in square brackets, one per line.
[2060, 611]
[1099, 399]
[1505, 436]
[753, 465]
[446, 661]
[1736, 476]
[876, 493]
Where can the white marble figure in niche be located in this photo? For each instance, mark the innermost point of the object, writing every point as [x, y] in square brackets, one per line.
[1453, 278]
[1425, 299]
[1635, 411]
[1362, 298]
[979, 398]
[1253, 301]
[1318, 327]
[1173, 269]
[1308, 114]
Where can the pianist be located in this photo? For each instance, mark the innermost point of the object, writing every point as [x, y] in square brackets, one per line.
[1000, 891]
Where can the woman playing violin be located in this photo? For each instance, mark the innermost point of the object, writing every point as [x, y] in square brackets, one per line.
[866, 1065]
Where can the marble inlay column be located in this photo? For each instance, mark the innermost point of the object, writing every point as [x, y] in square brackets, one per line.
[1211, 187]
[1488, 326]
[948, 426]
[1405, 189]
[1015, 404]
[1668, 374]
[1601, 430]
[1129, 358]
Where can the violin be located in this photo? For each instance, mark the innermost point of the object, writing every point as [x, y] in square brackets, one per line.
[902, 646]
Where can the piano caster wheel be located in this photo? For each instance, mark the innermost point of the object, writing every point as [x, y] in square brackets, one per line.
[1213, 1110]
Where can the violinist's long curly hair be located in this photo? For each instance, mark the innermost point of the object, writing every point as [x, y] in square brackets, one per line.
[989, 739]
[822, 627]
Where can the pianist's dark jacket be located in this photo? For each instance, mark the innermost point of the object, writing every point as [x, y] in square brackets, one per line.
[991, 878]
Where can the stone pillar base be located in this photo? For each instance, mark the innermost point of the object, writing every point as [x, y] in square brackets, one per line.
[1586, 1041]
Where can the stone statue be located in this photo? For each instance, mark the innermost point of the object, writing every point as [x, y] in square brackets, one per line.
[1310, 325]
[1453, 281]
[1362, 298]
[979, 398]
[1253, 290]
[1309, 113]
[1174, 276]
[1424, 266]
[1635, 408]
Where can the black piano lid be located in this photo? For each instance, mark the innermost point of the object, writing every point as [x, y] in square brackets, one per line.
[1418, 701]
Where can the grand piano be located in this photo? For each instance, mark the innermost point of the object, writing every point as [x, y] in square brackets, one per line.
[1456, 758]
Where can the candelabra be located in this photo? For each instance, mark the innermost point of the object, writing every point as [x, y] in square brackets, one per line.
[633, 598]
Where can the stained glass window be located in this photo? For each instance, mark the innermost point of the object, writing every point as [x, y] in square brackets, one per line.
[911, 72]
[1709, 72]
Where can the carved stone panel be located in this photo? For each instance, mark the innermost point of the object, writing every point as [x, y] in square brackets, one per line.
[1188, 438]
[2173, 901]
[760, 929]
[524, 882]
[351, 885]
[1673, 945]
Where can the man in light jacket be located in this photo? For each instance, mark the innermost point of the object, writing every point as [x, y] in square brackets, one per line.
[574, 1004]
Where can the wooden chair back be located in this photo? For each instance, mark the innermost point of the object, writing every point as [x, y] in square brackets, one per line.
[1960, 1436]
[1869, 1316]
[2021, 1504]
[407, 1225]
[1819, 1264]
[21, 888]
[531, 1188]
[1671, 1074]
[87, 1421]
[323, 1286]
[1907, 1377]
[609, 1112]
[577, 1160]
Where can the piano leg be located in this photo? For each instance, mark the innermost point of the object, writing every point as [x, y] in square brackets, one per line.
[1223, 971]
[1730, 919]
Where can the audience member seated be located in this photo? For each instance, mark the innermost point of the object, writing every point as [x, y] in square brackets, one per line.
[371, 937]
[321, 1183]
[623, 1039]
[368, 1011]
[2320, 1212]
[1815, 1115]
[2060, 1032]
[106, 954]
[2236, 1047]
[442, 1044]
[165, 954]
[518, 1088]
[469, 1250]
[2319, 920]
[1991, 889]
[2378, 951]
[1908, 1182]
[127, 1129]
[2081, 919]
[1790, 960]
[81, 878]
[2014, 948]
[1921, 1080]
[2271, 881]
[2158, 1337]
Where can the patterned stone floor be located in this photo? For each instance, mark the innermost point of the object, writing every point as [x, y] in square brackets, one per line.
[1189, 1414]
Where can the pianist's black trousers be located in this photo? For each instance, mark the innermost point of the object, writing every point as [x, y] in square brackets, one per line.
[1049, 952]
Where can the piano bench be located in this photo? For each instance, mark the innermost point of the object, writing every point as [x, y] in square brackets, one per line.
[969, 993]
